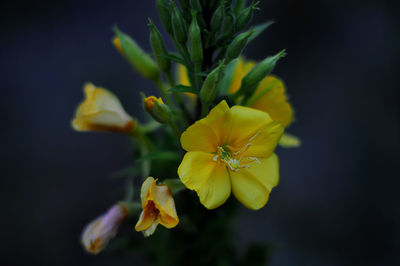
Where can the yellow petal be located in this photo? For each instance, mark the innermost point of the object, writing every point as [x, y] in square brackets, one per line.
[289, 141]
[208, 178]
[144, 191]
[145, 221]
[209, 132]
[101, 111]
[164, 202]
[242, 67]
[256, 128]
[252, 186]
[182, 75]
[274, 101]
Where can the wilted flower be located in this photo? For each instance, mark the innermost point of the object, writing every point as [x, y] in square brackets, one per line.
[100, 231]
[101, 111]
[158, 207]
[231, 149]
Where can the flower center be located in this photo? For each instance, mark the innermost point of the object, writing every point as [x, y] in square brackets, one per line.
[234, 159]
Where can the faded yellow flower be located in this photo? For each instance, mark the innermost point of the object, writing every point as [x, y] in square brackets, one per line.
[101, 111]
[231, 150]
[100, 231]
[158, 207]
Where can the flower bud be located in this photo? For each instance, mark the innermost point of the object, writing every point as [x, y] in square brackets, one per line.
[195, 4]
[100, 231]
[238, 7]
[210, 86]
[138, 58]
[157, 109]
[245, 16]
[178, 25]
[196, 49]
[237, 45]
[218, 18]
[101, 111]
[258, 73]
[164, 11]
[158, 46]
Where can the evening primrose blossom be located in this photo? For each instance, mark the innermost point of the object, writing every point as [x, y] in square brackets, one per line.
[100, 231]
[158, 207]
[231, 150]
[101, 111]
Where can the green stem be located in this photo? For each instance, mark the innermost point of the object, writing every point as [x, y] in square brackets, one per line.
[197, 78]
[164, 92]
[179, 100]
[145, 146]
[175, 129]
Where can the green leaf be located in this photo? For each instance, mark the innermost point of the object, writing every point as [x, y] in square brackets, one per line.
[183, 88]
[174, 57]
[175, 185]
[160, 155]
[130, 171]
[257, 30]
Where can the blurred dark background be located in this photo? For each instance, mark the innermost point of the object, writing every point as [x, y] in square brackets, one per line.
[337, 202]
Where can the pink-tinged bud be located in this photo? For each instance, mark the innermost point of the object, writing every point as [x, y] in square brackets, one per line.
[100, 231]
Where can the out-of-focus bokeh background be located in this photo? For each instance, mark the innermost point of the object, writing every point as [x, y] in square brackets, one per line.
[337, 202]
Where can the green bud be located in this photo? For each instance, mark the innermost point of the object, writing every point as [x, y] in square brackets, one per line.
[258, 73]
[196, 49]
[195, 4]
[237, 45]
[185, 10]
[158, 46]
[210, 86]
[139, 59]
[245, 16]
[218, 18]
[157, 109]
[239, 6]
[178, 25]
[164, 12]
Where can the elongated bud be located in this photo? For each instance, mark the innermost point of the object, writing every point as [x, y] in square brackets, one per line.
[135, 55]
[164, 11]
[195, 4]
[245, 16]
[196, 49]
[210, 85]
[157, 109]
[158, 46]
[258, 73]
[239, 6]
[178, 25]
[218, 17]
[237, 45]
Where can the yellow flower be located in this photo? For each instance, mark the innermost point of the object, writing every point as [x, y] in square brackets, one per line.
[101, 111]
[269, 96]
[231, 149]
[100, 231]
[158, 207]
[274, 101]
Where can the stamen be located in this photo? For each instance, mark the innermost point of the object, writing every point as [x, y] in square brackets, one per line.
[234, 159]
